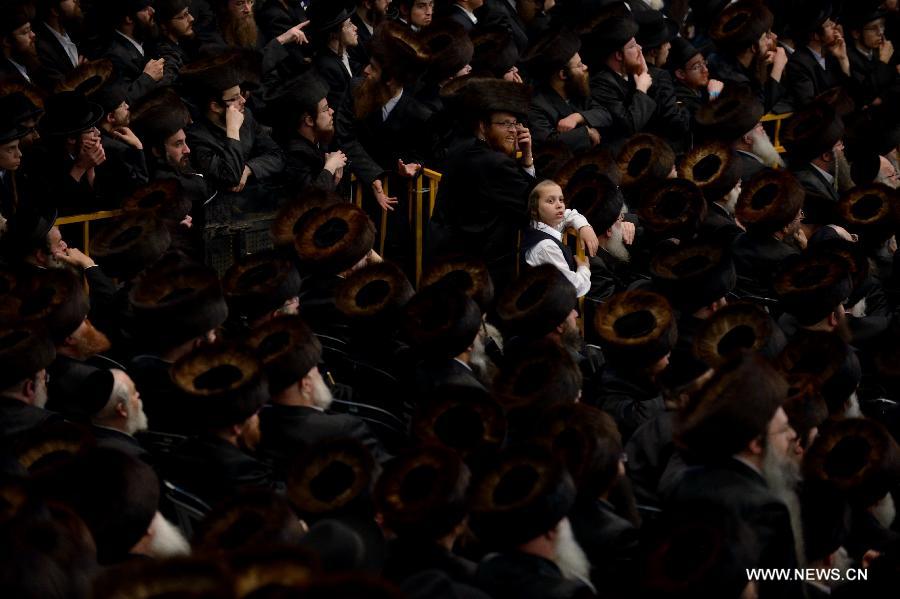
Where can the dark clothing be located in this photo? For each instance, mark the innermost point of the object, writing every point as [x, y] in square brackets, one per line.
[275, 17]
[213, 469]
[690, 99]
[175, 56]
[129, 64]
[515, 575]
[304, 166]
[359, 54]
[671, 121]
[332, 71]
[160, 395]
[222, 159]
[458, 15]
[406, 558]
[756, 258]
[431, 374]
[503, 14]
[607, 276]
[609, 541]
[805, 79]
[9, 73]
[742, 491]
[866, 532]
[629, 397]
[630, 109]
[813, 182]
[871, 77]
[729, 71]
[720, 224]
[63, 390]
[124, 170]
[649, 450]
[286, 431]
[750, 165]
[319, 309]
[548, 108]
[480, 208]
[18, 417]
[55, 63]
[114, 439]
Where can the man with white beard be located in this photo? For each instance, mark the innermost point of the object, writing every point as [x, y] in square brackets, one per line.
[519, 510]
[716, 170]
[738, 430]
[756, 152]
[297, 415]
[121, 416]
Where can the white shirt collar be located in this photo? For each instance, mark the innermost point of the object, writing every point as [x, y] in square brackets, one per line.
[391, 104]
[464, 364]
[828, 177]
[469, 14]
[67, 44]
[819, 58]
[545, 228]
[21, 69]
[345, 60]
[134, 42]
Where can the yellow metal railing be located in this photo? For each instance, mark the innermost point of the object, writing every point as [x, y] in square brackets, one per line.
[778, 120]
[86, 220]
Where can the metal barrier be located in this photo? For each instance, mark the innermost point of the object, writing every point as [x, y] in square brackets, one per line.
[778, 119]
[434, 180]
[86, 220]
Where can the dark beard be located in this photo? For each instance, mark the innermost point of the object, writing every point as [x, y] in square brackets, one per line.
[578, 87]
[240, 34]
[145, 32]
[368, 97]
[29, 60]
[760, 68]
[73, 25]
[374, 17]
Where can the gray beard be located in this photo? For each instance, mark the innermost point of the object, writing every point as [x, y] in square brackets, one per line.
[569, 557]
[762, 147]
[167, 540]
[842, 172]
[853, 410]
[782, 474]
[730, 201]
[884, 511]
[615, 246]
[137, 421]
[321, 395]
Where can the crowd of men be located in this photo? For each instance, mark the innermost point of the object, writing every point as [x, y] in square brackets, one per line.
[718, 398]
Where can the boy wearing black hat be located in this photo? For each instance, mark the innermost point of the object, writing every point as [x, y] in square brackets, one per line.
[125, 168]
[135, 27]
[820, 61]
[562, 109]
[693, 86]
[367, 16]
[20, 60]
[11, 132]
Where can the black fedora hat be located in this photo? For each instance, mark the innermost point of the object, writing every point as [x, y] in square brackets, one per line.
[482, 95]
[440, 322]
[680, 53]
[811, 132]
[334, 239]
[638, 326]
[222, 385]
[25, 349]
[331, 479]
[524, 494]
[449, 47]
[537, 302]
[811, 287]
[644, 157]
[129, 244]
[289, 220]
[463, 418]
[857, 456]
[551, 53]
[259, 284]
[714, 167]
[769, 201]
[172, 305]
[608, 37]
[741, 24]
[737, 327]
[809, 16]
[28, 100]
[375, 293]
[672, 208]
[288, 350]
[693, 274]
[655, 28]
[597, 160]
[422, 493]
[11, 127]
[736, 112]
[163, 197]
[325, 15]
[857, 15]
[494, 51]
[597, 198]
[69, 113]
[468, 275]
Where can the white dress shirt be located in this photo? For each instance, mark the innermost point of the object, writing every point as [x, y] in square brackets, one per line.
[547, 252]
[67, 44]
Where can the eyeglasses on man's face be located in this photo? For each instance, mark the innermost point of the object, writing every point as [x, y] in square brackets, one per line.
[506, 124]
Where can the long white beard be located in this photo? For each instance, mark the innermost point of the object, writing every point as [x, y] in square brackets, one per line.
[321, 394]
[762, 147]
[616, 245]
[783, 475]
[569, 556]
[884, 511]
[167, 540]
[731, 200]
[478, 359]
[655, 4]
[853, 410]
[137, 420]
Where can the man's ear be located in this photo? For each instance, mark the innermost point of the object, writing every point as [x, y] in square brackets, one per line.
[121, 409]
[306, 384]
[29, 388]
[608, 234]
[832, 319]
[562, 74]
[680, 74]
[756, 446]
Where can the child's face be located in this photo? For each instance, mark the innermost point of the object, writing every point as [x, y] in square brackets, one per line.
[551, 207]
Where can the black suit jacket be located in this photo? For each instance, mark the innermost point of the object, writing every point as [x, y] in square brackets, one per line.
[436, 373]
[720, 224]
[159, 393]
[756, 258]
[671, 120]
[55, 63]
[548, 108]
[457, 14]
[515, 575]
[630, 398]
[871, 77]
[129, 64]
[649, 450]
[500, 12]
[335, 74]
[274, 18]
[8, 72]
[18, 417]
[750, 166]
[287, 430]
[121, 441]
[742, 492]
[304, 165]
[125, 168]
[408, 557]
[481, 206]
[805, 79]
[813, 181]
[609, 541]
[630, 109]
